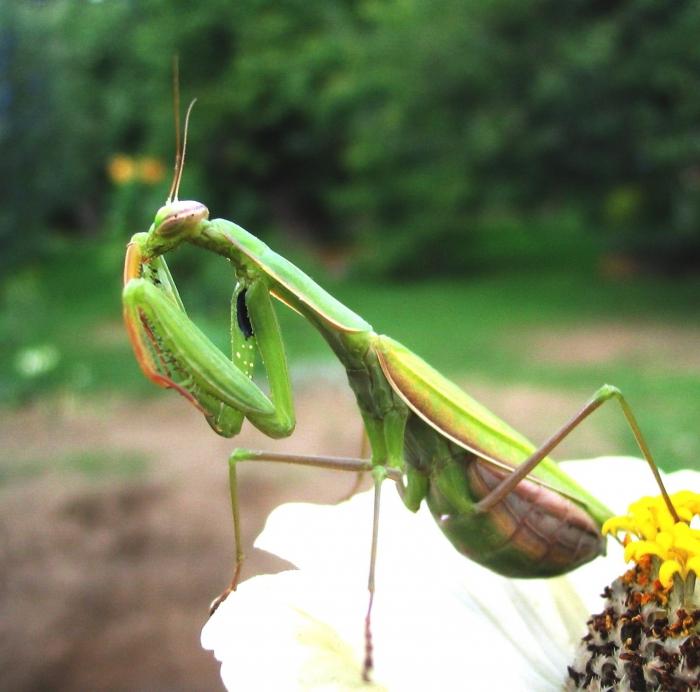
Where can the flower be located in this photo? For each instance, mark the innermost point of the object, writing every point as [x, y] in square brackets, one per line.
[150, 171]
[652, 530]
[648, 635]
[121, 169]
[439, 621]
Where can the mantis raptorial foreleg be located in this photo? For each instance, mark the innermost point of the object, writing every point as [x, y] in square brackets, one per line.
[173, 352]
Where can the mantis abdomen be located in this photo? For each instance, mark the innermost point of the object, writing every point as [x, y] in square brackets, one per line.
[532, 532]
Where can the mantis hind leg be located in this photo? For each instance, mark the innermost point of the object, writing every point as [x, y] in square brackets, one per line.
[605, 393]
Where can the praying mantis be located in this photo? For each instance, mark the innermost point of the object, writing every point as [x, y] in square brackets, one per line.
[499, 499]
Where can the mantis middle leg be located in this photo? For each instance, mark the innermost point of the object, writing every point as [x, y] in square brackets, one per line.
[357, 466]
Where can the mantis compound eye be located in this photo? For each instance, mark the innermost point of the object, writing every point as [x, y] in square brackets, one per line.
[179, 217]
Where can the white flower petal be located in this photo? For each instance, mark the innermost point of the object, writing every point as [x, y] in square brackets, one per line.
[268, 636]
[432, 605]
[440, 621]
[618, 481]
[308, 535]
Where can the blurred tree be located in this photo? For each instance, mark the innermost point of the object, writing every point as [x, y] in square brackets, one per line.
[441, 135]
[525, 121]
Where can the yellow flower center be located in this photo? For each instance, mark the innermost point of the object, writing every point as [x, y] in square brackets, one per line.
[650, 529]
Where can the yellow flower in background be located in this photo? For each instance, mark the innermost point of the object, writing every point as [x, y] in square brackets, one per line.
[123, 169]
[150, 170]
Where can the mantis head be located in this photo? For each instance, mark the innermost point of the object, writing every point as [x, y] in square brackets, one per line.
[179, 219]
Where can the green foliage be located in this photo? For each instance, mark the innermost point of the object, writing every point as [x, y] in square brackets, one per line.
[432, 135]
[501, 117]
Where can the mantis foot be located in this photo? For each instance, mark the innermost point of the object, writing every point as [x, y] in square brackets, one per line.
[225, 593]
[213, 606]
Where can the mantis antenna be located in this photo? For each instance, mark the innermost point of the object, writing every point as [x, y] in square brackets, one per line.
[176, 120]
[181, 156]
[179, 150]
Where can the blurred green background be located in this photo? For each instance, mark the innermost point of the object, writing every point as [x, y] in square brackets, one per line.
[511, 188]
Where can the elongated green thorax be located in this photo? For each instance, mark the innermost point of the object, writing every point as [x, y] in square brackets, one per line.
[286, 281]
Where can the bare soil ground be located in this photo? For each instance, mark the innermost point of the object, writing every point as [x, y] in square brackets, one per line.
[672, 347]
[105, 580]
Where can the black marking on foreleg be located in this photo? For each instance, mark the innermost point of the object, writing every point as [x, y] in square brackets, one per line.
[242, 316]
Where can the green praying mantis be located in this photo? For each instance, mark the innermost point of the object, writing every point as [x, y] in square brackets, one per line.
[499, 499]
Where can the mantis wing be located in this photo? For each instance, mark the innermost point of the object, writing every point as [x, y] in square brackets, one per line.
[466, 422]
